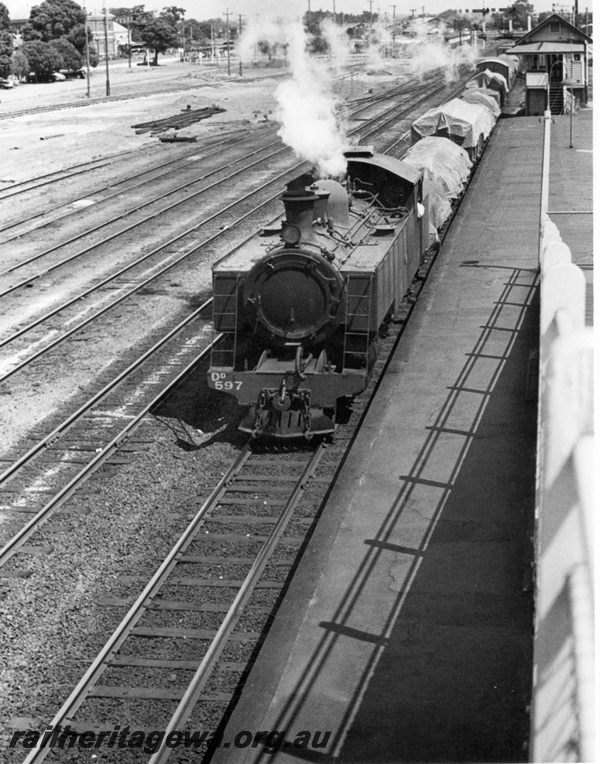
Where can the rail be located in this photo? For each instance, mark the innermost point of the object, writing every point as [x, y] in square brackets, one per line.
[89, 687]
[562, 722]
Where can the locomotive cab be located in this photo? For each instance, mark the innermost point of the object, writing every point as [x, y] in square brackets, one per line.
[379, 178]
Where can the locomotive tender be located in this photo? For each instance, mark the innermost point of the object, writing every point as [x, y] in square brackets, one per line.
[301, 305]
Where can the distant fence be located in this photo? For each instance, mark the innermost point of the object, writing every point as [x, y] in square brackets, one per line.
[562, 722]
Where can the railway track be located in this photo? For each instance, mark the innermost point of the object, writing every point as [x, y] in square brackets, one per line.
[132, 677]
[107, 191]
[73, 171]
[186, 194]
[391, 114]
[41, 480]
[178, 658]
[212, 597]
[68, 173]
[146, 261]
[102, 99]
[70, 455]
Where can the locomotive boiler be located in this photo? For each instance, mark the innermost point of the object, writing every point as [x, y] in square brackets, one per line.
[301, 305]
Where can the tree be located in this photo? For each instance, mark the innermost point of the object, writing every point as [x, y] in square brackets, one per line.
[72, 58]
[77, 37]
[19, 65]
[43, 59]
[172, 14]
[123, 11]
[518, 12]
[455, 21]
[134, 18]
[53, 19]
[194, 31]
[312, 26]
[29, 34]
[159, 35]
[6, 50]
[4, 17]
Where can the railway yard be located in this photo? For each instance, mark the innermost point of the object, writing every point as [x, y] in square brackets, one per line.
[145, 544]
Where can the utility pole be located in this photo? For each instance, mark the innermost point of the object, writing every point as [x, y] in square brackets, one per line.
[239, 38]
[370, 21]
[87, 53]
[227, 14]
[106, 49]
[129, 40]
[393, 7]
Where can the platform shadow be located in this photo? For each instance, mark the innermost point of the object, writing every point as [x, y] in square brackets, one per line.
[445, 673]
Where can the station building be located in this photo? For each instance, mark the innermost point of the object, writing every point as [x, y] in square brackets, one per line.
[555, 60]
[116, 36]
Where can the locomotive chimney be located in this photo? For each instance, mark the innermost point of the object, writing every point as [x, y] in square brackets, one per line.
[299, 211]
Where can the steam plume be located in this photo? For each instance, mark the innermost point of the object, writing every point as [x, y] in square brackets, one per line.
[306, 105]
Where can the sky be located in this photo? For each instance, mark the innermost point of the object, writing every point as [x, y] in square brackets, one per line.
[205, 9]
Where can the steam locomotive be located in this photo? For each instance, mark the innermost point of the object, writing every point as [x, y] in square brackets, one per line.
[301, 305]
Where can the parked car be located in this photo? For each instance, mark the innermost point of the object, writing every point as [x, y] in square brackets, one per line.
[71, 74]
[6, 84]
[54, 77]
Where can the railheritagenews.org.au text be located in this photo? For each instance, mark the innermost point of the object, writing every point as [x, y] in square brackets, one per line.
[269, 741]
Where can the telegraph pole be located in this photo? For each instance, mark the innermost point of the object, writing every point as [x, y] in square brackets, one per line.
[370, 21]
[87, 53]
[239, 38]
[213, 45]
[106, 49]
[227, 14]
[129, 41]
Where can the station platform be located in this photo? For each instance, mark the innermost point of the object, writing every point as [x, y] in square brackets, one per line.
[407, 631]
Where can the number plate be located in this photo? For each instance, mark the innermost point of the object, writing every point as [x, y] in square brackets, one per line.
[223, 380]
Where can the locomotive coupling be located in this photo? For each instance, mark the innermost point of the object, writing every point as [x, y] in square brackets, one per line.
[281, 401]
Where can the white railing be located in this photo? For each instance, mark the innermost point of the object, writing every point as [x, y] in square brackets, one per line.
[562, 722]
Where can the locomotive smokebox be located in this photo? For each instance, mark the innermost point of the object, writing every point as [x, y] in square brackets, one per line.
[299, 214]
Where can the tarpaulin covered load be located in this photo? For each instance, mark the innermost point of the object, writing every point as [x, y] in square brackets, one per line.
[486, 91]
[470, 123]
[513, 61]
[491, 80]
[483, 97]
[447, 168]
[500, 65]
